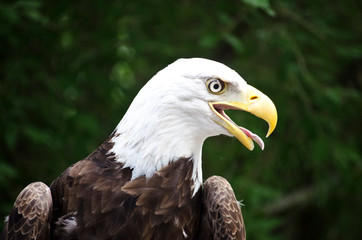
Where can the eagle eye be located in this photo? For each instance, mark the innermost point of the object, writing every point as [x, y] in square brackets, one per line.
[215, 85]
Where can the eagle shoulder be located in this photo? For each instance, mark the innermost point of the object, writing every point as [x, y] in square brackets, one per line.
[30, 215]
[221, 216]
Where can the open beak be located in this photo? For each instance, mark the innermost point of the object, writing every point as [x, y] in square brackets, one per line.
[253, 101]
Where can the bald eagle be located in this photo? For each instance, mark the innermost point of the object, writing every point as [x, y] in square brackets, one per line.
[145, 181]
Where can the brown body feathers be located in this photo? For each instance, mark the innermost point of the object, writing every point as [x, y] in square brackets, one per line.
[96, 199]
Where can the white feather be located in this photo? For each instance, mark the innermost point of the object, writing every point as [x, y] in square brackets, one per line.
[70, 224]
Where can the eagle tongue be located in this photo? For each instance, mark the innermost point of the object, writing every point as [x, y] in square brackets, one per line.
[253, 136]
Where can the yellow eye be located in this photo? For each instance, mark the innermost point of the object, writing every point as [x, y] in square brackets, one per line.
[215, 85]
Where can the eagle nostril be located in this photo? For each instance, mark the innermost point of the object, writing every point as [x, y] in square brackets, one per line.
[253, 98]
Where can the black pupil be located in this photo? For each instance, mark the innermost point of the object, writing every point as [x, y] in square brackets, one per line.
[216, 86]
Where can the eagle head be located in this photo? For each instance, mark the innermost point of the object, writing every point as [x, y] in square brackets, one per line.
[180, 107]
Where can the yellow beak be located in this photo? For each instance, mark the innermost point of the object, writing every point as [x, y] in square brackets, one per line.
[253, 101]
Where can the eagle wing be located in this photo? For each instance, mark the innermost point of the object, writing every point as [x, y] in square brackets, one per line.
[29, 217]
[221, 217]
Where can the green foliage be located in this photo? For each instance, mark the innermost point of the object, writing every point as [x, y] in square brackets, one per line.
[262, 4]
[69, 70]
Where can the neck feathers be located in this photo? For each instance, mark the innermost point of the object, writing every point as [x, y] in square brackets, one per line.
[161, 126]
[146, 156]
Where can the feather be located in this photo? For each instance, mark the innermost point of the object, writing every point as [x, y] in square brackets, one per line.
[221, 217]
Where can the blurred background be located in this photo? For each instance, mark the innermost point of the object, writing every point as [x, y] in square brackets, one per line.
[70, 69]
